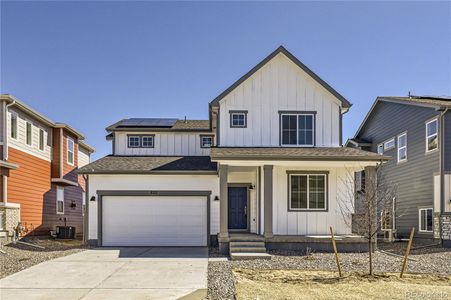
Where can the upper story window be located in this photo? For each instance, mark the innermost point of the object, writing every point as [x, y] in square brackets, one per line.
[402, 147]
[41, 139]
[14, 126]
[147, 141]
[297, 129]
[431, 135]
[134, 141]
[206, 141]
[390, 144]
[141, 141]
[70, 151]
[29, 131]
[238, 118]
[307, 191]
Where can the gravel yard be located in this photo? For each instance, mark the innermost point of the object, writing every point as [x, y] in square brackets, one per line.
[18, 256]
[434, 260]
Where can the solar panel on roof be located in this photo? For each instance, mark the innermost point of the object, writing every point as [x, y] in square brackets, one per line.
[147, 122]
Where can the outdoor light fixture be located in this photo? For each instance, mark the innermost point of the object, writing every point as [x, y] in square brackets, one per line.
[216, 198]
[251, 187]
[93, 198]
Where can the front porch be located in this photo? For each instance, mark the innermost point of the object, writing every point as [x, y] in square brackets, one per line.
[256, 214]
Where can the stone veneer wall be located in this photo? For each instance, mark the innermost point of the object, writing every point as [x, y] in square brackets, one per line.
[446, 230]
[436, 225]
[10, 218]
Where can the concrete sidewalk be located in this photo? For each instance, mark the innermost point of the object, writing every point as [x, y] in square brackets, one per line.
[114, 273]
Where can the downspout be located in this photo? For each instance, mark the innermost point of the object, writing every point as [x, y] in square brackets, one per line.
[442, 162]
[5, 149]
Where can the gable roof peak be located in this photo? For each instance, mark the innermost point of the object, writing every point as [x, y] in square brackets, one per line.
[281, 49]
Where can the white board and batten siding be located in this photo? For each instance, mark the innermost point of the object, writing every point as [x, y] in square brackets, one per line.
[154, 182]
[279, 85]
[20, 142]
[165, 143]
[287, 222]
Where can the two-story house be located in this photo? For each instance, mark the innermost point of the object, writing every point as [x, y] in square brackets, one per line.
[267, 166]
[40, 188]
[416, 132]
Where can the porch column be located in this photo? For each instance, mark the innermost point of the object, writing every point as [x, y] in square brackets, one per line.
[223, 204]
[267, 195]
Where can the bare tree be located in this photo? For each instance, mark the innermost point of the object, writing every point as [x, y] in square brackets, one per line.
[368, 206]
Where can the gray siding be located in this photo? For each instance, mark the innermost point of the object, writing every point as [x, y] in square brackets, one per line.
[448, 141]
[413, 178]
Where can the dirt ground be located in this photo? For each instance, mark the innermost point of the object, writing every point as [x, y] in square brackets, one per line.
[298, 284]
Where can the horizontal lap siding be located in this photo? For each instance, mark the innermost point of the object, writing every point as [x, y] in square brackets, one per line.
[73, 215]
[448, 141]
[414, 178]
[28, 185]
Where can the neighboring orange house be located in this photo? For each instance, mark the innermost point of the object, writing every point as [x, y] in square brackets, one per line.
[39, 158]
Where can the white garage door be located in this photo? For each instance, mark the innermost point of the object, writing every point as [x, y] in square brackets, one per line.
[154, 221]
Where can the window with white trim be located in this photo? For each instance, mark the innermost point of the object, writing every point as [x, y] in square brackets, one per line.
[402, 147]
[28, 134]
[238, 119]
[147, 141]
[70, 151]
[13, 126]
[206, 141]
[425, 219]
[297, 130]
[307, 191]
[60, 200]
[134, 141]
[380, 149]
[390, 144]
[431, 135]
[41, 139]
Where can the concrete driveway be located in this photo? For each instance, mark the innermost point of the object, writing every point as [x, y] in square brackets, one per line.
[114, 273]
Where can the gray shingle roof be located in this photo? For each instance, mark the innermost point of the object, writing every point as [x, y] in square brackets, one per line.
[160, 125]
[294, 153]
[438, 101]
[149, 164]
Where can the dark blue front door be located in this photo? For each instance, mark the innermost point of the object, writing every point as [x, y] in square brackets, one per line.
[237, 207]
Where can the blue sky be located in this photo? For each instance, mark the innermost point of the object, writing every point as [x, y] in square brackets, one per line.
[90, 64]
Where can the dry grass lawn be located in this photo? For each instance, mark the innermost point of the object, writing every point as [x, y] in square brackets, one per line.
[298, 284]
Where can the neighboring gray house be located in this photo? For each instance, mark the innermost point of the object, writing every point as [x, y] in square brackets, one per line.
[416, 133]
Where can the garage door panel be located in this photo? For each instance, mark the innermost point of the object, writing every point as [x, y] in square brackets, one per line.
[154, 221]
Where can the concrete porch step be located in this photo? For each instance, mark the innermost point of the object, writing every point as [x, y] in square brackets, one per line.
[247, 250]
[247, 244]
[249, 255]
[246, 238]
